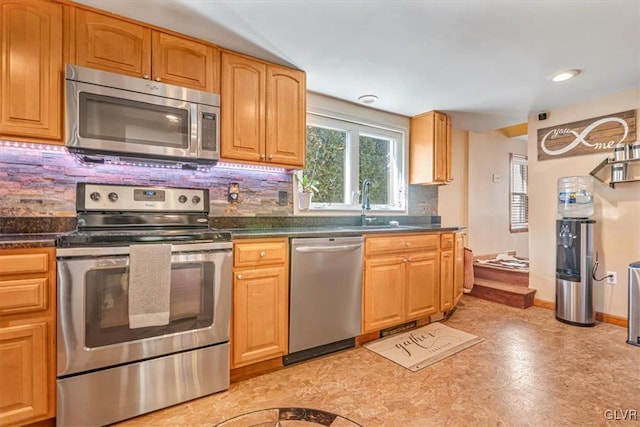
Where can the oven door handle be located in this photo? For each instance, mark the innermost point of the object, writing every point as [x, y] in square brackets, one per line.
[94, 251]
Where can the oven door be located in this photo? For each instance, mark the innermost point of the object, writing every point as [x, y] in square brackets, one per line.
[93, 321]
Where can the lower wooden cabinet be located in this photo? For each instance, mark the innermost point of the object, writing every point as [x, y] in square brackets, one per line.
[446, 280]
[27, 335]
[458, 269]
[410, 276]
[451, 269]
[260, 301]
[401, 282]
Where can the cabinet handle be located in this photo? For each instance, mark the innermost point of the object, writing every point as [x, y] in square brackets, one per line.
[157, 79]
[239, 277]
[145, 76]
[409, 259]
[407, 244]
[405, 260]
[270, 156]
[262, 156]
[263, 253]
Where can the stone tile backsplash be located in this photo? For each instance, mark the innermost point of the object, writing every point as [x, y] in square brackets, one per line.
[41, 181]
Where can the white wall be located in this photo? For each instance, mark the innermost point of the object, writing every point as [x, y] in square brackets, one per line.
[453, 198]
[489, 201]
[617, 211]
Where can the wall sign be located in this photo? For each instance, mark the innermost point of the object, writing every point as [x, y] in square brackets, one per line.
[596, 135]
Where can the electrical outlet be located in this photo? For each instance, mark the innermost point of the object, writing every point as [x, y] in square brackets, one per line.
[612, 278]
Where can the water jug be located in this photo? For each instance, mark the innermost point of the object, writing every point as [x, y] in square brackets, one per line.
[575, 196]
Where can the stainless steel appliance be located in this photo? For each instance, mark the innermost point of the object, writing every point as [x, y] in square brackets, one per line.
[574, 271]
[112, 117]
[325, 296]
[634, 304]
[106, 369]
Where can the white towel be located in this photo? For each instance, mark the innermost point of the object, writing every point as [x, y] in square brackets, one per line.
[149, 285]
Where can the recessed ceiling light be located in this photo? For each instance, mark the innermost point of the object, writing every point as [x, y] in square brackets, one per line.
[368, 99]
[565, 75]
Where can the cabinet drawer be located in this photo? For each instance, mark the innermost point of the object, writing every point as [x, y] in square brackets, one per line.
[396, 243]
[446, 241]
[24, 263]
[261, 252]
[23, 296]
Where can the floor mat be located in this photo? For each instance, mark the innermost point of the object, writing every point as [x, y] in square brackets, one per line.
[419, 348]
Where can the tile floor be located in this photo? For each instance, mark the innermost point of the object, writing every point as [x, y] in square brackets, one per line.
[531, 370]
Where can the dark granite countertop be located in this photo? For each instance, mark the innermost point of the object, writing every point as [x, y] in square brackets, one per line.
[28, 240]
[337, 231]
[18, 232]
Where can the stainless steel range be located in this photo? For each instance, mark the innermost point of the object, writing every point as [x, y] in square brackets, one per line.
[144, 303]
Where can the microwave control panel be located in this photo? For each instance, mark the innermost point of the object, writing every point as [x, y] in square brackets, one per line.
[209, 131]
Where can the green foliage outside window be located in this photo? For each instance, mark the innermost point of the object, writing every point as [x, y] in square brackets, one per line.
[375, 163]
[326, 163]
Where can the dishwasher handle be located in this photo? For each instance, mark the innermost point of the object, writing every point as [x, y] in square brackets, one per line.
[327, 249]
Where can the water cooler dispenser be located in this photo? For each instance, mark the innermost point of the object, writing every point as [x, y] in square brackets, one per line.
[574, 265]
[634, 304]
[574, 252]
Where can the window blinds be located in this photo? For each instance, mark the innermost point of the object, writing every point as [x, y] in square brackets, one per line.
[518, 198]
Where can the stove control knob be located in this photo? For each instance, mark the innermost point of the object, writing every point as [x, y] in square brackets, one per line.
[95, 196]
[113, 196]
[195, 200]
[182, 199]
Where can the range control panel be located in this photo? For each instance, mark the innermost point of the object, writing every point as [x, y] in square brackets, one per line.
[125, 198]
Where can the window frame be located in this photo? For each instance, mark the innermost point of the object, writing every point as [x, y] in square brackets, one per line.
[520, 226]
[398, 175]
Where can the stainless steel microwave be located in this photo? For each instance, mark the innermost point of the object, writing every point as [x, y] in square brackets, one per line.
[112, 117]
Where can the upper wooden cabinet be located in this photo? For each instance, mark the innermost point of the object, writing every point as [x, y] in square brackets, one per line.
[430, 149]
[31, 67]
[263, 117]
[27, 335]
[184, 62]
[111, 44]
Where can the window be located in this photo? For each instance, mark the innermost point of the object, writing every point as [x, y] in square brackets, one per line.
[518, 198]
[341, 154]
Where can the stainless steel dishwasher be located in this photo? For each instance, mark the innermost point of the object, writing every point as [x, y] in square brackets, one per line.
[325, 296]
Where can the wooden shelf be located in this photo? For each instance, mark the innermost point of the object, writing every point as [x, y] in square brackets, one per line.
[602, 172]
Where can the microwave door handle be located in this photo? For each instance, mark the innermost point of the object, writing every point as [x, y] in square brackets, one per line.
[196, 132]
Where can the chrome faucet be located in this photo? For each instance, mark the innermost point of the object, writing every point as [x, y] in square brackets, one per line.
[366, 204]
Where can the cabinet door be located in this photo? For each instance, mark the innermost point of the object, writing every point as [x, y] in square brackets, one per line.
[458, 270]
[260, 315]
[441, 147]
[242, 99]
[286, 118]
[183, 62]
[446, 280]
[23, 369]
[31, 81]
[111, 44]
[383, 293]
[422, 287]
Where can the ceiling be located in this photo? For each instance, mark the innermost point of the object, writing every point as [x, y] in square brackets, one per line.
[486, 63]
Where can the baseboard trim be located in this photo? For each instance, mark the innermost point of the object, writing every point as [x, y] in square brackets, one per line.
[259, 368]
[614, 320]
[602, 317]
[544, 304]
